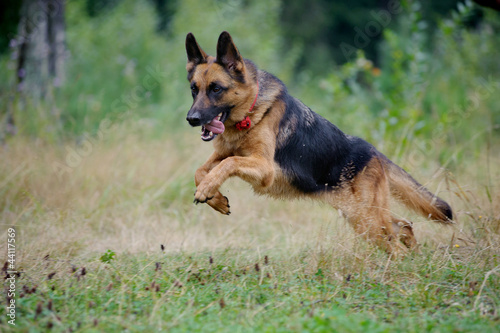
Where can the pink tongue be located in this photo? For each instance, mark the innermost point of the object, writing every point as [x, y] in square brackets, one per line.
[215, 126]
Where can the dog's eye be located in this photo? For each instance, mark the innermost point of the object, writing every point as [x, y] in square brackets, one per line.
[194, 90]
[216, 89]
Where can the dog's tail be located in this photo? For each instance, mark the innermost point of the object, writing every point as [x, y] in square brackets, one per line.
[415, 196]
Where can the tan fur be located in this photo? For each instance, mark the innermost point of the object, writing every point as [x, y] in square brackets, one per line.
[249, 155]
[364, 202]
[414, 195]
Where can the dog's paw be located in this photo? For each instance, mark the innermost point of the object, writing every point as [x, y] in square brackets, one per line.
[220, 203]
[207, 193]
[202, 196]
[200, 199]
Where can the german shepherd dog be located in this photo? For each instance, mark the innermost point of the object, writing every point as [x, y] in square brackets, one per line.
[284, 150]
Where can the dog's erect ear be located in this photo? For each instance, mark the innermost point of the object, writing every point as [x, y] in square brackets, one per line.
[227, 53]
[195, 54]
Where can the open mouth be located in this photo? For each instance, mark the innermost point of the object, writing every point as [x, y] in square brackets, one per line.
[210, 130]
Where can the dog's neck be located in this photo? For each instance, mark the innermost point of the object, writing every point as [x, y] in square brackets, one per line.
[247, 123]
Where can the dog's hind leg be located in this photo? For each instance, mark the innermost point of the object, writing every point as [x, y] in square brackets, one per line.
[373, 222]
[404, 231]
[365, 203]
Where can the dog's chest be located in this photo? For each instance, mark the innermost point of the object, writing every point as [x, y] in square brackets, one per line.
[281, 187]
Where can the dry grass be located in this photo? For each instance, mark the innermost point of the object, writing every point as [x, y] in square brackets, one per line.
[131, 195]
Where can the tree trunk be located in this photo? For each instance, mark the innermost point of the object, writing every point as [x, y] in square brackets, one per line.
[41, 51]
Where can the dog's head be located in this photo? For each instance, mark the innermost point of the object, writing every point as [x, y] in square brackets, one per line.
[219, 85]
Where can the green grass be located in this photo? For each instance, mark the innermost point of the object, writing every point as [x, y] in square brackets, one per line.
[224, 291]
[89, 244]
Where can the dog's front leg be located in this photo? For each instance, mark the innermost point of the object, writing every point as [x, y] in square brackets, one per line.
[218, 202]
[256, 170]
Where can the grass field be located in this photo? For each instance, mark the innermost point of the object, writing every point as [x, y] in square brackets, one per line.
[109, 240]
[107, 237]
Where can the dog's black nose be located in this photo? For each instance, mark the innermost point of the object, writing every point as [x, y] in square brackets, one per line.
[193, 120]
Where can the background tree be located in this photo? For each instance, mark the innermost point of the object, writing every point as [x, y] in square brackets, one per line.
[35, 31]
[41, 49]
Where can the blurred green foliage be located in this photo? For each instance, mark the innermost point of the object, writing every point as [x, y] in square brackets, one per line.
[433, 83]
[431, 91]
[323, 25]
[119, 67]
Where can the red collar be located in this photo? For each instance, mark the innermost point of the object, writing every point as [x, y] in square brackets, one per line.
[246, 123]
[255, 100]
